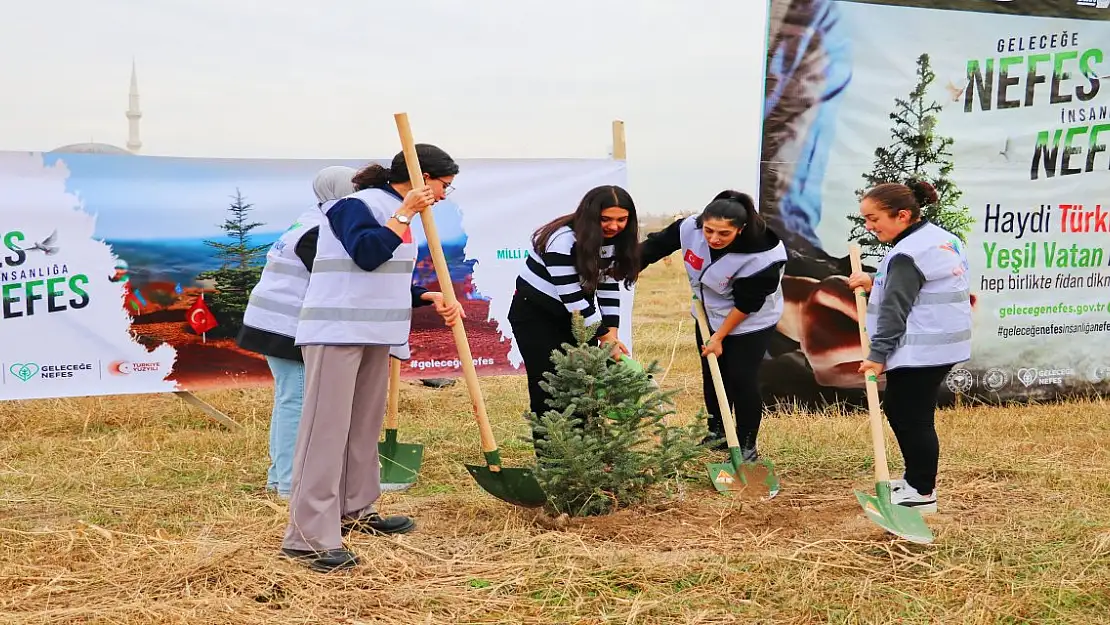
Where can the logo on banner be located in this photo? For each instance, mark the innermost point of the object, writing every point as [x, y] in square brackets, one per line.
[24, 370]
[693, 260]
[960, 380]
[1098, 373]
[995, 378]
[1044, 377]
[123, 367]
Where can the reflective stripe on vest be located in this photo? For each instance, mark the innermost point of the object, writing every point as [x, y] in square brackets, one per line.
[712, 279]
[345, 305]
[938, 329]
[275, 302]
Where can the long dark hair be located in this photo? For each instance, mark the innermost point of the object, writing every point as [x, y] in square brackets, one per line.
[739, 210]
[585, 221]
[433, 161]
[911, 196]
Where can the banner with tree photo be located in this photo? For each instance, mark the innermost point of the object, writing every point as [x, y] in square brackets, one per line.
[1002, 107]
[130, 274]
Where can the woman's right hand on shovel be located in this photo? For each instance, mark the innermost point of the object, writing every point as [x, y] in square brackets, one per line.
[860, 280]
[417, 200]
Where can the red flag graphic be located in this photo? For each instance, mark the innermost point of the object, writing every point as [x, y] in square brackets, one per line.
[693, 259]
[199, 317]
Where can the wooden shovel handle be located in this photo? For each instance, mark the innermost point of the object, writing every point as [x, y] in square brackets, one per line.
[416, 177]
[718, 381]
[394, 393]
[882, 473]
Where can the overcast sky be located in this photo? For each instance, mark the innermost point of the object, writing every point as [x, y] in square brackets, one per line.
[321, 79]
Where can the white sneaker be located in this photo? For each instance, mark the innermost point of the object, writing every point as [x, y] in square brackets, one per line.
[902, 494]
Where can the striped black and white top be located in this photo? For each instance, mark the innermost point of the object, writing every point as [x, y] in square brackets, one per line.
[550, 277]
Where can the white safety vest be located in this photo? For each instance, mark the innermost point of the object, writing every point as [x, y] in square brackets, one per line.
[712, 279]
[938, 329]
[275, 302]
[346, 305]
[400, 352]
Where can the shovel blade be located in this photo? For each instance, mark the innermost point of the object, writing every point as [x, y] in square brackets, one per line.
[400, 462]
[901, 521]
[749, 478]
[516, 486]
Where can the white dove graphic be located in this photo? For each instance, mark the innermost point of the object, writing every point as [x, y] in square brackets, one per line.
[47, 245]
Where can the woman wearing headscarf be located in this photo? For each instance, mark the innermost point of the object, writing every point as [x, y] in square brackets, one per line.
[270, 321]
[357, 308]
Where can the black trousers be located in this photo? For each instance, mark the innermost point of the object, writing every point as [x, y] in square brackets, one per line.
[538, 332]
[741, 357]
[910, 404]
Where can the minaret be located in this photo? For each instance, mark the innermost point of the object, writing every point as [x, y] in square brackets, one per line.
[133, 114]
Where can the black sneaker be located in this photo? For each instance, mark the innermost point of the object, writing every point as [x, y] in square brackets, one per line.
[749, 454]
[714, 441]
[375, 523]
[323, 561]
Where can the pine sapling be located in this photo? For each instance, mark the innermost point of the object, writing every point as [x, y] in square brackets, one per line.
[605, 442]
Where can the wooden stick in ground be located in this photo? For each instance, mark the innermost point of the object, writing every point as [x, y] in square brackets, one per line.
[882, 473]
[394, 394]
[489, 444]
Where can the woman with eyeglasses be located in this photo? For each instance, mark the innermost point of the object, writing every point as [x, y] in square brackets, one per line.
[357, 308]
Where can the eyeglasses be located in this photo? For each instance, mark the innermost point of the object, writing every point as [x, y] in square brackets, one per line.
[447, 188]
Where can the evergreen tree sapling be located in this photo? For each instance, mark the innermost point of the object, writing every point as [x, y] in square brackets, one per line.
[240, 271]
[917, 151]
[607, 441]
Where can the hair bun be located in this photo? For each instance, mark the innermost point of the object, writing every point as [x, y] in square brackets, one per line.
[923, 191]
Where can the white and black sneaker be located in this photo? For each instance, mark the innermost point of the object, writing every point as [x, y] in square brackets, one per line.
[902, 494]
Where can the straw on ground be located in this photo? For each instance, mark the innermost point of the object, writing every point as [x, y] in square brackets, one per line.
[136, 510]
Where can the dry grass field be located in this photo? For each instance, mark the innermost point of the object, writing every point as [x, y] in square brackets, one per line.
[135, 510]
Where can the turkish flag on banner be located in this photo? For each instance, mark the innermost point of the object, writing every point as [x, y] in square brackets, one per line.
[199, 317]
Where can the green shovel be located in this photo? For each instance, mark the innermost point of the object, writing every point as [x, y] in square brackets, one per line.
[400, 462]
[898, 520]
[515, 486]
[736, 475]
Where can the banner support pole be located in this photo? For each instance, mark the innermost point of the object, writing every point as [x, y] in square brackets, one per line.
[209, 410]
[620, 150]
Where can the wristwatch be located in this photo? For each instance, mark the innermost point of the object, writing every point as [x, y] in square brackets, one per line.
[402, 218]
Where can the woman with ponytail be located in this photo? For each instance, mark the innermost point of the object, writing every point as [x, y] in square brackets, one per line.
[919, 323]
[357, 311]
[734, 262]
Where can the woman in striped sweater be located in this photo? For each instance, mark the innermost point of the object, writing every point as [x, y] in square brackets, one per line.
[576, 265]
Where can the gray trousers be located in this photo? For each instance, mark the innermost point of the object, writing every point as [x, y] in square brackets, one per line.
[335, 468]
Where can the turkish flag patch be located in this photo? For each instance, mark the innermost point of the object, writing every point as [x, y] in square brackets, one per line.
[693, 259]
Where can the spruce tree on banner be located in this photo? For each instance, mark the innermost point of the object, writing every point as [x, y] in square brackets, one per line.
[240, 271]
[608, 442]
[917, 151]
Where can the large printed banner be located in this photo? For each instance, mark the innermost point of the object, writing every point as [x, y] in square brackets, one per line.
[1005, 107]
[105, 261]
